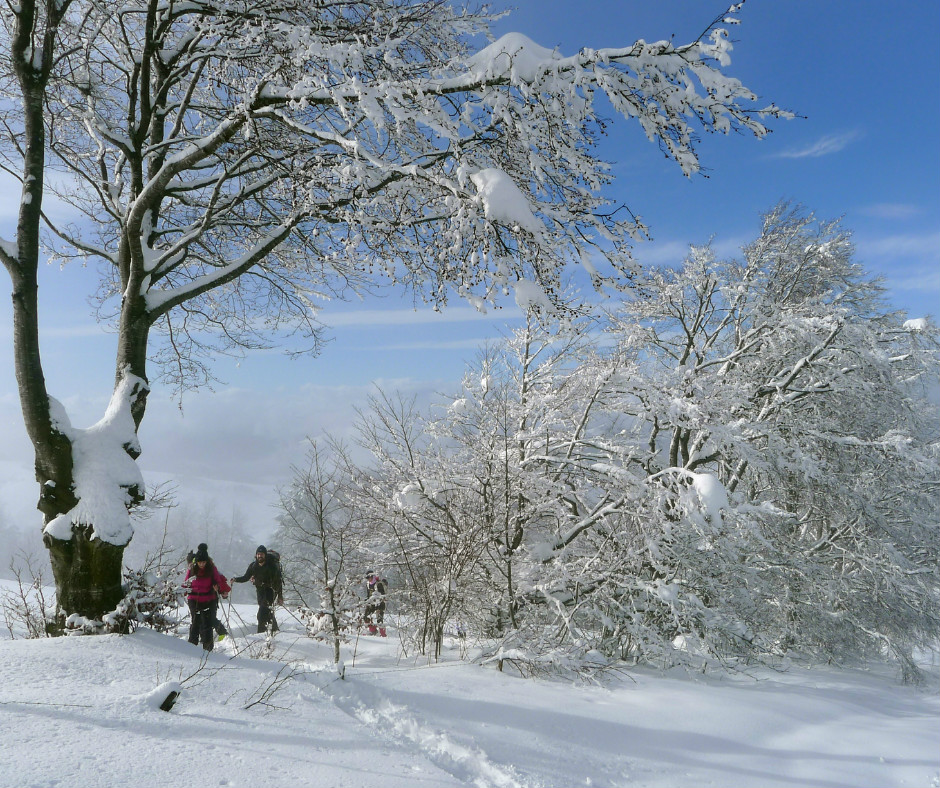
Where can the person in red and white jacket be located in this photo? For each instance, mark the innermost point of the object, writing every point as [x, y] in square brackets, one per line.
[205, 584]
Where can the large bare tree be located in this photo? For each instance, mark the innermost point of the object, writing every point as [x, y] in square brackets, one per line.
[233, 160]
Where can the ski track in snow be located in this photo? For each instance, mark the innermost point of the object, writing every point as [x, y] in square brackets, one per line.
[399, 725]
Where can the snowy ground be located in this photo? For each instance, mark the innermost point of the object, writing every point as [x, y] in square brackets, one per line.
[83, 711]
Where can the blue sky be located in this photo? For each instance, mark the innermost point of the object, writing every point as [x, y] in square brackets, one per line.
[864, 74]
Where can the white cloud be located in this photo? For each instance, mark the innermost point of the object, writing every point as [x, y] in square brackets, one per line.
[432, 344]
[910, 266]
[673, 253]
[831, 143]
[887, 210]
[18, 495]
[922, 246]
[661, 252]
[253, 435]
[412, 317]
[925, 279]
[83, 332]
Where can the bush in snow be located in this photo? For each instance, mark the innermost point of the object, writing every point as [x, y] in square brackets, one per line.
[28, 609]
[323, 541]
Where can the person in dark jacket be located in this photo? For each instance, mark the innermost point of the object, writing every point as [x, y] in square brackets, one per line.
[376, 588]
[265, 573]
[205, 583]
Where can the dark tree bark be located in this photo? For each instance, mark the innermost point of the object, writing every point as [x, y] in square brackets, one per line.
[87, 571]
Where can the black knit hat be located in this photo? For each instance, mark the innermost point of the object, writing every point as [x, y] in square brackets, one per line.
[261, 549]
[201, 554]
[202, 546]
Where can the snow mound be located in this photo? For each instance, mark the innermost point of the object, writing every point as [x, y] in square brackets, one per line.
[708, 497]
[156, 697]
[530, 295]
[409, 498]
[513, 55]
[503, 201]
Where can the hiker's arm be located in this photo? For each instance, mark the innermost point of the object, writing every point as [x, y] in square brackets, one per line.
[245, 576]
[218, 582]
[224, 586]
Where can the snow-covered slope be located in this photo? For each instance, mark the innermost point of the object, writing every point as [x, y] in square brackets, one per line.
[83, 712]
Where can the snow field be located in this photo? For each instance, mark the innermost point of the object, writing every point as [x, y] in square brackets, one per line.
[83, 711]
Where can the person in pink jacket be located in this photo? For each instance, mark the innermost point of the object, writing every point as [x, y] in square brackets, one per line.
[205, 583]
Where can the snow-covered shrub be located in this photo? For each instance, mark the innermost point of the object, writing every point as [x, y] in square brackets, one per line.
[29, 608]
[323, 538]
[152, 599]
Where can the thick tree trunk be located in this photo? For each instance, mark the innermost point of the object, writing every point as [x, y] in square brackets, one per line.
[88, 566]
[87, 572]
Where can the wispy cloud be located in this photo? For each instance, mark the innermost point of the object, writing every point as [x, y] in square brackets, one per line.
[825, 146]
[915, 247]
[90, 330]
[892, 210]
[909, 262]
[666, 252]
[671, 252]
[412, 317]
[918, 280]
[433, 344]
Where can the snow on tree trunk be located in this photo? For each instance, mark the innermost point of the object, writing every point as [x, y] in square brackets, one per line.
[86, 543]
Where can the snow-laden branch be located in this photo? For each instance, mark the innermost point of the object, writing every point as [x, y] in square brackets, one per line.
[161, 301]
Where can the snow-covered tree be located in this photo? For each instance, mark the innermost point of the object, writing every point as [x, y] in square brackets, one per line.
[322, 539]
[233, 162]
[427, 535]
[782, 399]
[530, 399]
[743, 463]
[474, 507]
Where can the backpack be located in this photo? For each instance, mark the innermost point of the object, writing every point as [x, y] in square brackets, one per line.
[275, 558]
